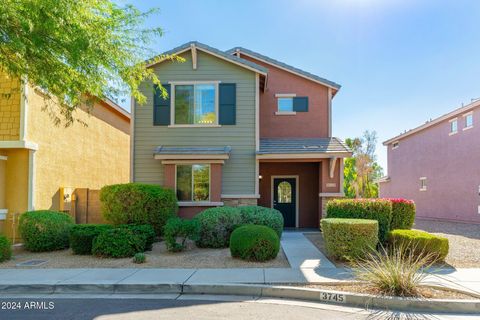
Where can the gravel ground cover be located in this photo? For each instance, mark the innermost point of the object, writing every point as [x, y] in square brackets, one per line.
[159, 257]
[464, 241]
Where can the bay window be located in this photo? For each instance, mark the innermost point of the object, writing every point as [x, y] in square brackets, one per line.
[193, 182]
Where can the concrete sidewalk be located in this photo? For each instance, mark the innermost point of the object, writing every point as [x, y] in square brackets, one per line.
[309, 265]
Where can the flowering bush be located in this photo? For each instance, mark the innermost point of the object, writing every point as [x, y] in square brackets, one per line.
[403, 213]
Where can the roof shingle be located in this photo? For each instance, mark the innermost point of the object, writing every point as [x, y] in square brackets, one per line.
[302, 145]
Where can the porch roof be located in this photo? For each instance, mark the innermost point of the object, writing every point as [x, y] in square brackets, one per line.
[326, 147]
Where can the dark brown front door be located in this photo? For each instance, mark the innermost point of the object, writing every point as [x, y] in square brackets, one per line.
[285, 199]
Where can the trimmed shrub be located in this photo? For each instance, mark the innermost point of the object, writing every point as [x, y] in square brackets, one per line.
[118, 243]
[263, 216]
[5, 249]
[421, 243]
[82, 236]
[254, 243]
[372, 209]
[180, 228]
[45, 230]
[136, 203]
[216, 226]
[144, 230]
[139, 257]
[403, 214]
[349, 239]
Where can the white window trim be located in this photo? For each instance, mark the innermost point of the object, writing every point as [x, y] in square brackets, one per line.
[393, 145]
[172, 104]
[465, 119]
[285, 95]
[285, 113]
[451, 133]
[423, 188]
[188, 203]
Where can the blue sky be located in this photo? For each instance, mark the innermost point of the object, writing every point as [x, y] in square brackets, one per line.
[400, 63]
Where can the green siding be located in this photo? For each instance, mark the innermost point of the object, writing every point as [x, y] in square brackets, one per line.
[239, 171]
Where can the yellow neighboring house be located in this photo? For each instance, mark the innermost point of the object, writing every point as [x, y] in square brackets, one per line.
[39, 159]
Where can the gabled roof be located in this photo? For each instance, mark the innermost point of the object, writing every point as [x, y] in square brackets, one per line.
[213, 51]
[303, 146]
[285, 67]
[435, 121]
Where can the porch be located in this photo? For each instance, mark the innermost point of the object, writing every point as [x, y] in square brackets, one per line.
[299, 176]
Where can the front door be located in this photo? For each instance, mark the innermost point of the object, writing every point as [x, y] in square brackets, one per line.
[285, 199]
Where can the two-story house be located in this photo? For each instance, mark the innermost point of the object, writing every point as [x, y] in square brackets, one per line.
[239, 128]
[437, 165]
[39, 160]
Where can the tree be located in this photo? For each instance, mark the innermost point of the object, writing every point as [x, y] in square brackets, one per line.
[78, 51]
[361, 170]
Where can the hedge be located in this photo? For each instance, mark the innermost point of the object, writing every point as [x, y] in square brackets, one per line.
[216, 226]
[372, 209]
[403, 213]
[254, 243]
[421, 242]
[118, 243]
[5, 249]
[180, 228]
[136, 203]
[262, 216]
[144, 230]
[349, 239]
[45, 230]
[82, 236]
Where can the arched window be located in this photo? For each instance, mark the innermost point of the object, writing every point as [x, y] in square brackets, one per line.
[284, 192]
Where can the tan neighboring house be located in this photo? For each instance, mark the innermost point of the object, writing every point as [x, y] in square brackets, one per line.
[42, 164]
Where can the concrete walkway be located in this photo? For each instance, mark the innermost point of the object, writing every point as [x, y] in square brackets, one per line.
[301, 253]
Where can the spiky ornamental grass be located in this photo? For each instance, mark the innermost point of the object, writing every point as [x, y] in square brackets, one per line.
[397, 272]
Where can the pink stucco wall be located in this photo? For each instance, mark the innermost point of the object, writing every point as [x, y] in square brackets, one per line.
[311, 124]
[451, 165]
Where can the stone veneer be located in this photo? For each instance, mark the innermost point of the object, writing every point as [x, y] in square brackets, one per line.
[237, 202]
[9, 108]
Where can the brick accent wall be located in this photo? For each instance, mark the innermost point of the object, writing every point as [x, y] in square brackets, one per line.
[9, 108]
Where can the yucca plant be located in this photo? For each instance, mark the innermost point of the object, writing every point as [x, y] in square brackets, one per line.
[398, 271]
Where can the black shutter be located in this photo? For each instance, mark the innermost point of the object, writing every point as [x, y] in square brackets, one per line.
[227, 103]
[161, 107]
[300, 104]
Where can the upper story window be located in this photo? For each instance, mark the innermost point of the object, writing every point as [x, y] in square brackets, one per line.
[395, 145]
[423, 184]
[195, 104]
[468, 120]
[453, 126]
[290, 104]
[193, 182]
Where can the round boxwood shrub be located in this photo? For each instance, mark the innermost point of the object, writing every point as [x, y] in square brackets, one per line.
[403, 214]
[5, 249]
[45, 230]
[136, 203]
[421, 243]
[82, 236]
[349, 239]
[145, 230]
[371, 209]
[263, 216]
[254, 243]
[216, 226]
[118, 243]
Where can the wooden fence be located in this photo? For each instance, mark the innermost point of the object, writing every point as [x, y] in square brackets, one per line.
[86, 206]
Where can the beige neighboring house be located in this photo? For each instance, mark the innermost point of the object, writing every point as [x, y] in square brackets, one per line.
[42, 164]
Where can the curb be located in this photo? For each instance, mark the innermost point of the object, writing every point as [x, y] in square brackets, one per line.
[259, 291]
